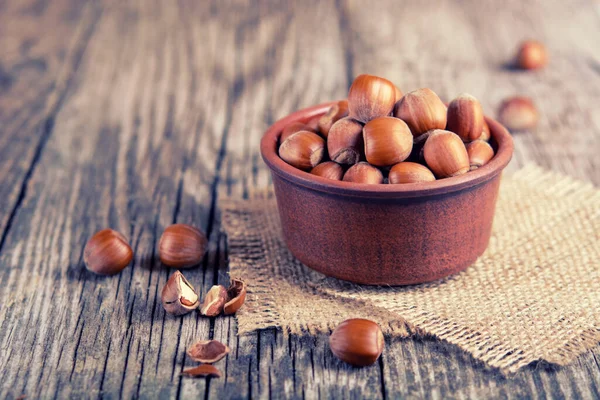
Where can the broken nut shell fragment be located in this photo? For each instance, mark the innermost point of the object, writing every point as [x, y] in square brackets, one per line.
[208, 351]
[214, 301]
[236, 296]
[178, 295]
[202, 370]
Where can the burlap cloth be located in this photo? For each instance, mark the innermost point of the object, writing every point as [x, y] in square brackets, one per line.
[534, 294]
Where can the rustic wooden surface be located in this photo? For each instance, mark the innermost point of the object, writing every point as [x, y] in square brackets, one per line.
[135, 115]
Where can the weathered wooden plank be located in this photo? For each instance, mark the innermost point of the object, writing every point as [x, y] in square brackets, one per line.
[301, 64]
[41, 44]
[128, 129]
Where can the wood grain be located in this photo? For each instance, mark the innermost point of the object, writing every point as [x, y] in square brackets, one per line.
[146, 112]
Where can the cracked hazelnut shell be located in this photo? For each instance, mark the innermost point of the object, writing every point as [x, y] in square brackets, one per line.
[236, 297]
[293, 128]
[214, 301]
[178, 295]
[531, 55]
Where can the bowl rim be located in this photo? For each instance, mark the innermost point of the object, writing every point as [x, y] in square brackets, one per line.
[269, 152]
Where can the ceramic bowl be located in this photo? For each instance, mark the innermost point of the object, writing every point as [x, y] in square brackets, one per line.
[385, 234]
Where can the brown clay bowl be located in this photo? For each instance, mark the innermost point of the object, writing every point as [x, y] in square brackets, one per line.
[385, 234]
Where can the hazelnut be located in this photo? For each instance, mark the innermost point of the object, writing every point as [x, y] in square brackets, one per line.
[465, 117]
[208, 351]
[410, 172]
[214, 301]
[313, 123]
[107, 252]
[445, 154]
[303, 150]
[202, 370]
[329, 170]
[293, 128]
[363, 173]
[416, 154]
[422, 110]
[335, 113]
[371, 97]
[518, 113]
[178, 295]
[531, 55]
[485, 133]
[236, 296]
[398, 92]
[182, 246]
[388, 141]
[345, 141]
[357, 341]
[480, 152]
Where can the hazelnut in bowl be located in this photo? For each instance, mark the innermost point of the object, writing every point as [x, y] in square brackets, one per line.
[392, 191]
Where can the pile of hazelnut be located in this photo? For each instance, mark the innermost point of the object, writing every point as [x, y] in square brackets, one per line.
[379, 135]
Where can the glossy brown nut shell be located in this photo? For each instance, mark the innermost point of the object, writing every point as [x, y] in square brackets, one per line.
[445, 154]
[304, 150]
[371, 97]
[410, 172]
[363, 173]
[388, 141]
[328, 169]
[357, 341]
[465, 117]
[293, 128]
[532, 55]
[107, 252]
[480, 153]
[345, 143]
[422, 110]
[182, 246]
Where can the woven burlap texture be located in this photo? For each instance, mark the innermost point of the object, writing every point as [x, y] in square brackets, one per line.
[534, 294]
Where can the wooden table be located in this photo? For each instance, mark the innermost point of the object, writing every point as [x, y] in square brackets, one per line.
[136, 115]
